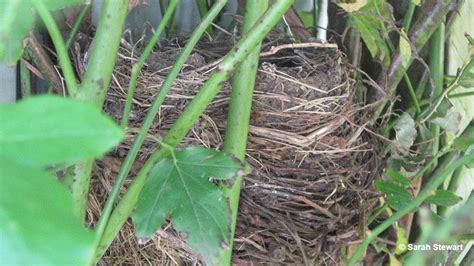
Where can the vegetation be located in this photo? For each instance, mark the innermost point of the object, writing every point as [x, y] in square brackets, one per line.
[48, 143]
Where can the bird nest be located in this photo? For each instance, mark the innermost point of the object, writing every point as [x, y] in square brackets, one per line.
[312, 155]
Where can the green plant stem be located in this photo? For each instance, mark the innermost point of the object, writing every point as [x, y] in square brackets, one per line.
[104, 52]
[80, 186]
[436, 63]
[238, 118]
[107, 237]
[141, 61]
[58, 41]
[25, 79]
[191, 114]
[407, 18]
[77, 24]
[438, 178]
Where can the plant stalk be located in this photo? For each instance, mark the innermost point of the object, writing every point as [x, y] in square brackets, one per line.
[104, 52]
[436, 63]
[61, 49]
[146, 53]
[77, 24]
[238, 117]
[191, 114]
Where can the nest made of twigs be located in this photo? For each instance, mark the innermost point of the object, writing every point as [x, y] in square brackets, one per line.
[312, 160]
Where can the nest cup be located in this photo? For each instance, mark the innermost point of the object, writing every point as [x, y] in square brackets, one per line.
[313, 161]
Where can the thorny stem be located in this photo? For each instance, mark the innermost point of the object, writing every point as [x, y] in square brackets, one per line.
[108, 229]
[187, 119]
[239, 114]
[438, 178]
[58, 41]
[146, 53]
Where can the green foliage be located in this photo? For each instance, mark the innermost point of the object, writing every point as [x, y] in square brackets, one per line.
[179, 187]
[369, 21]
[405, 133]
[397, 177]
[48, 130]
[443, 198]
[15, 23]
[38, 226]
[397, 196]
[451, 121]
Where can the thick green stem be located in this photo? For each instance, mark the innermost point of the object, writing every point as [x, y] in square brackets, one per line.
[190, 115]
[409, 15]
[436, 63]
[96, 82]
[104, 52]
[61, 49]
[438, 178]
[238, 117]
[113, 226]
[146, 53]
[77, 24]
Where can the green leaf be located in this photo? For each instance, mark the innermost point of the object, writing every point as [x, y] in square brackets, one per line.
[369, 22]
[444, 198]
[47, 130]
[397, 177]
[463, 142]
[179, 187]
[16, 20]
[405, 49]
[38, 226]
[450, 122]
[405, 133]
[397, 196]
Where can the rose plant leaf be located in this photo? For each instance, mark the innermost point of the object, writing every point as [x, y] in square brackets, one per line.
[46, 130]
[179, 187]
[397, 196]
[38, 226]
[444, 198]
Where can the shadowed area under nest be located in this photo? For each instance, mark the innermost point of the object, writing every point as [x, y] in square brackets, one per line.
[313, 159]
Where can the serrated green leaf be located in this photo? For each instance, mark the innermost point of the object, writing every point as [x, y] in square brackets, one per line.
[180, 188]
[16, 20]
[47, 130]
[368, 21]
[38, 226]
[444, 198]
[450, 122]
[405, 133]
[397, 196]
[397, 177]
